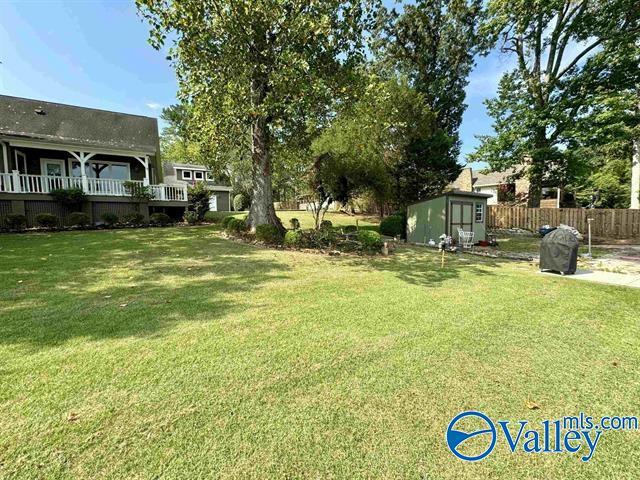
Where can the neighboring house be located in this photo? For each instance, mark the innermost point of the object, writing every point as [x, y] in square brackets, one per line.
[46, 146]
[507, 187]
[189, 174]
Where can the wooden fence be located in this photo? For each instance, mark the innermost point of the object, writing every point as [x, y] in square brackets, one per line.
[607, 223]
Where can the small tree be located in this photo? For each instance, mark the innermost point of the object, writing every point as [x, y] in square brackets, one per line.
[199, 196]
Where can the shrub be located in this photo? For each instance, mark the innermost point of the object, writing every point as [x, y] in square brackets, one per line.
[236, 225]
[109, 218]
[295, 223]
[138, 191]
[294, 238]
[190, 217]
[72, 197]
[326, 224]
[199, 196]
[215, 217]
[350, 229]
[16, 221]
[160, 218]
[226, 220]
[269, 234]
[392, 226]
[370, 240]
[240, 202]
[133, 218]
[79, 219]
[47, 220]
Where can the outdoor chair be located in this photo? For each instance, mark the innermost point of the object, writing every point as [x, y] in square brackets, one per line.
[465, 238]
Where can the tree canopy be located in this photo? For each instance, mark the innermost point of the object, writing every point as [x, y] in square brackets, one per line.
[560, 82]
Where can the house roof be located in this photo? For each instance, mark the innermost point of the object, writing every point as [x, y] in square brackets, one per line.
[482, 179]
[186, 166]
[72, 125]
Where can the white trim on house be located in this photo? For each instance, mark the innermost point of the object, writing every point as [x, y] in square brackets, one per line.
[23, 156]
[184, 175]
[59, 161]
[195, 174]
[65, 147]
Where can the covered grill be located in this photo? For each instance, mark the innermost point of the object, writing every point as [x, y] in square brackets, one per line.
[559, 252]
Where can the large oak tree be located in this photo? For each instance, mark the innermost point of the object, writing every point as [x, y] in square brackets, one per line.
[256, 67]
[536, 110]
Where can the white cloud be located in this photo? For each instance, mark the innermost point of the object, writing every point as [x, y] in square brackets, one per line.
[154, 106]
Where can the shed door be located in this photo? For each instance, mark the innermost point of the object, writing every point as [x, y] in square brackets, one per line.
[460, 215]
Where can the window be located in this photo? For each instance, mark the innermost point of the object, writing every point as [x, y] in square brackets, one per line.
[186, 174]
[101, 169]
[198, 175]
[479, 213]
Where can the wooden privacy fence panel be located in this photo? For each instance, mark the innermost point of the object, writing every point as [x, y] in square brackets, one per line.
[609, 223]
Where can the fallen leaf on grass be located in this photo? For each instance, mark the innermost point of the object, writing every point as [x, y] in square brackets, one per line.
[123, 305]
[73, 416]
[107, 296]
[531, 405]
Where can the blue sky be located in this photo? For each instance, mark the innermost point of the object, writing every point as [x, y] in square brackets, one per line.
[95, 53]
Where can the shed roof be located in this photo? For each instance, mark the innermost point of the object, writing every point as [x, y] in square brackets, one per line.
[455, 193]
[68, 124]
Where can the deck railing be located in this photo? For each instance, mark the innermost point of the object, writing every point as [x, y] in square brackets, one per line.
[23, 183]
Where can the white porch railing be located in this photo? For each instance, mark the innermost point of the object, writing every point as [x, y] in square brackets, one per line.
[22, 183]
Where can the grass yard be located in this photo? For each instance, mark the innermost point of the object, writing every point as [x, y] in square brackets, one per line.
[526, 244]
[173, 353]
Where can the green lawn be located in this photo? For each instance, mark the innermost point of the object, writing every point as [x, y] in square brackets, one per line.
[173, 353]
[526, 244]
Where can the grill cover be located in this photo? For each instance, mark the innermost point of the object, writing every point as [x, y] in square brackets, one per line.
[559, 251]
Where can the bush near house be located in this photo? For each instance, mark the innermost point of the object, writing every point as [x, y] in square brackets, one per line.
[392, 226]
[350, 229]
[78, 219]
[71, 197]
[215, 217]
[109, 218]
[190, 217]
[240, 202]
[269, 234]
[199, 196]
[47, 220]
[16, 221]
[160, 218]
[133, 218]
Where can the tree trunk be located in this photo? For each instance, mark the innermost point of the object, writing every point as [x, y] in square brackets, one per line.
[262, 210]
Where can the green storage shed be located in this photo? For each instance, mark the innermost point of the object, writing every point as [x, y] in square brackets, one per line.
[433, 217]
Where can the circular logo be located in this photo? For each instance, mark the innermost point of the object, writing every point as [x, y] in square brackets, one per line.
[480, 427]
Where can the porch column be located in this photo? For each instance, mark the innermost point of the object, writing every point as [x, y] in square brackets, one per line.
[82, 158]
[146, 180]
[5, 157]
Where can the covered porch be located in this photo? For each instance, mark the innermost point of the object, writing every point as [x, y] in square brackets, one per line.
[38, 168]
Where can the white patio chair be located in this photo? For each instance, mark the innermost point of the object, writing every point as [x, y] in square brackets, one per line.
[465, 238]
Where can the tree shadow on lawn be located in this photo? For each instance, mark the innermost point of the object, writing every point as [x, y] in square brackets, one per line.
[422, 266]
[126, 286]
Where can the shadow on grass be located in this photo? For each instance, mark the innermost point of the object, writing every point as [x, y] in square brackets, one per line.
[423, 267]
[102, 285]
